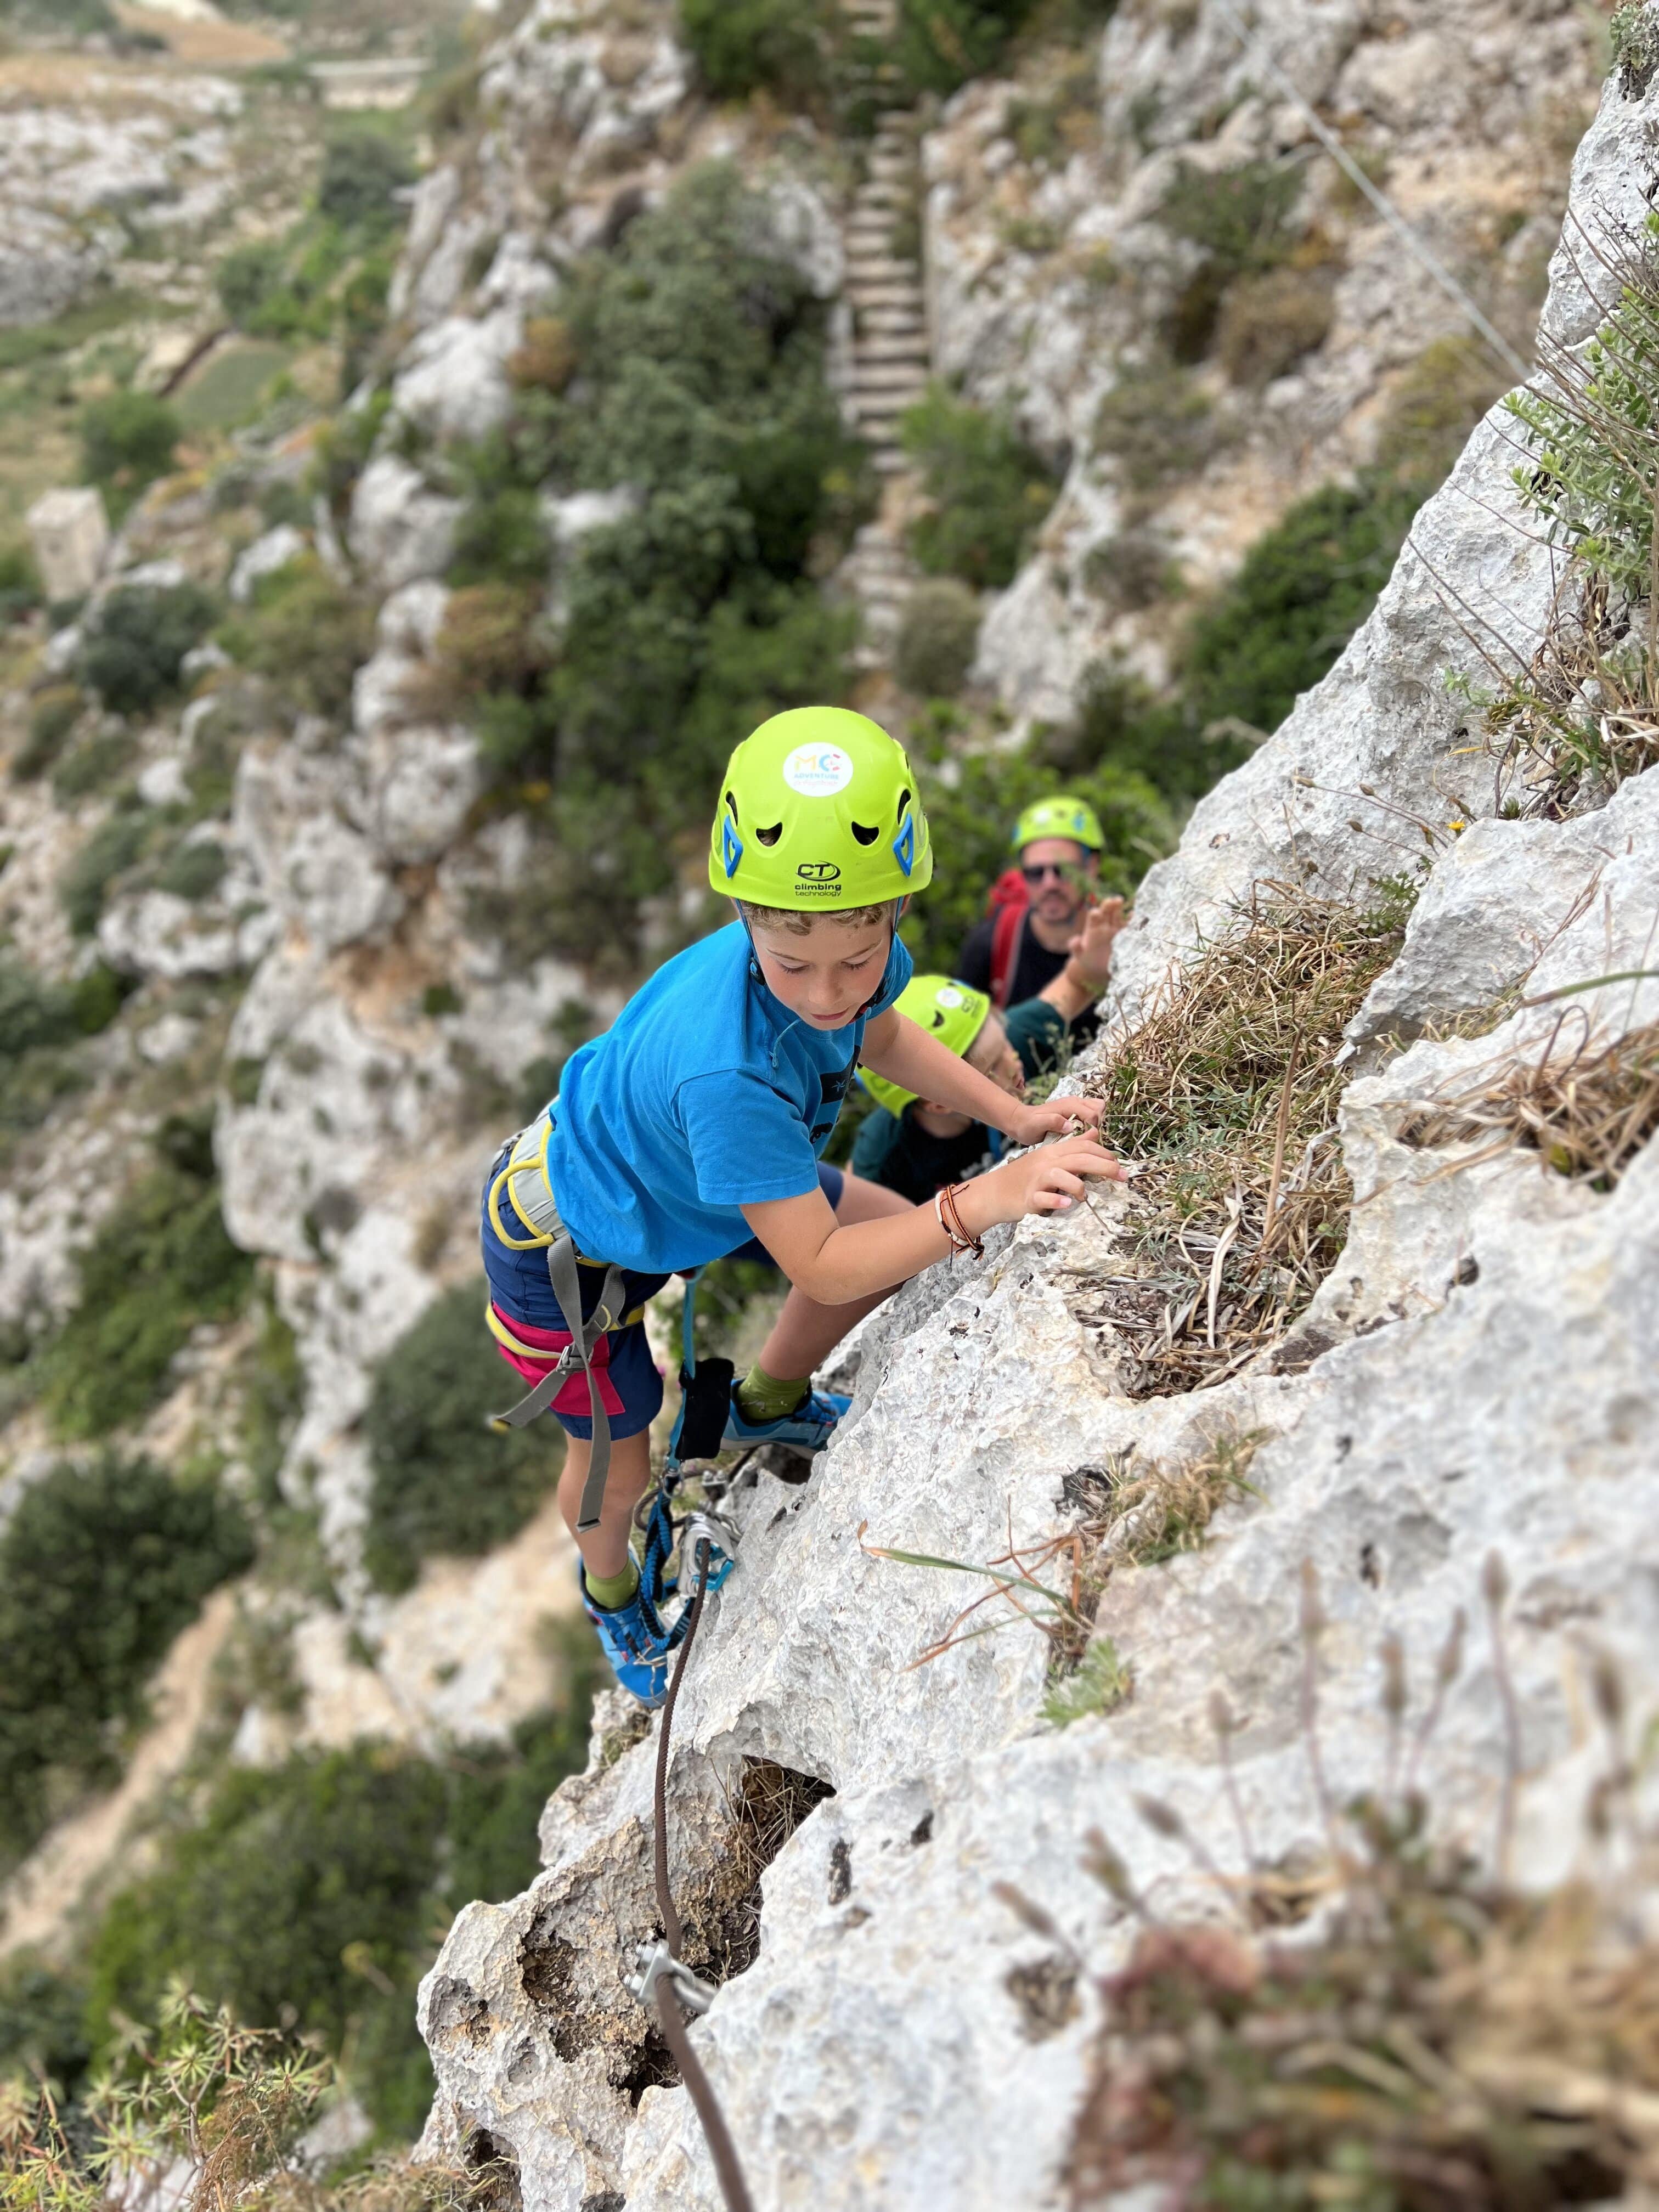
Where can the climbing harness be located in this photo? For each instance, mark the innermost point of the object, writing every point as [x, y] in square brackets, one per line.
[703, 1537]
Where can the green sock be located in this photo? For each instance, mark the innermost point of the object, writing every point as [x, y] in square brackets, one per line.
[764, 1397]
[610, 1591]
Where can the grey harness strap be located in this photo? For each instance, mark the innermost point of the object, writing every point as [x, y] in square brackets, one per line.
[579, 1353]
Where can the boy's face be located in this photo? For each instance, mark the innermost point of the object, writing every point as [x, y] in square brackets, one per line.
[993, 1055]
[826, 973]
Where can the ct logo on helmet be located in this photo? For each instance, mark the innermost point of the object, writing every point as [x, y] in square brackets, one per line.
[818, 771]
[818, 872]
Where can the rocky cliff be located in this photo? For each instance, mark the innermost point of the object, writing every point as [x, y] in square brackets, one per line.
[1472, 1377]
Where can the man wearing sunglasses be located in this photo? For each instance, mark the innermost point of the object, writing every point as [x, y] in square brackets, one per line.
[1047, 933]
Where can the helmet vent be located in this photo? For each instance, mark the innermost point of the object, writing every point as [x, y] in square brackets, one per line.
[864, 836]
[904, 800]
[770, 836]
[732, 804]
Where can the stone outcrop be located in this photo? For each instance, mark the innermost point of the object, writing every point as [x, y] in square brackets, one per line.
[1052, 269]
[1481, 1380]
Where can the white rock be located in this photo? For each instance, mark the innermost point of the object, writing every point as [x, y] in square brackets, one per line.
[401, 531]
[164, 782]
[1476, 1373]
[70, 533]
[419, 784]
[265, 557]
[452, 383]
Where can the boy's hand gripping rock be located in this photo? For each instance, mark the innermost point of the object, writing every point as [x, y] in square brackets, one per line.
[1046, 1181]
[1029, 1125]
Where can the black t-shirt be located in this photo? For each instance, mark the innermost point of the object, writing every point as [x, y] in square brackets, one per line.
[1035, 968]
[895, 1152]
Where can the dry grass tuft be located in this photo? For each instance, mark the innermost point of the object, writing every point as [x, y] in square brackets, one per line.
[1586, 1112]
[1227, 1093]
[723, 1926]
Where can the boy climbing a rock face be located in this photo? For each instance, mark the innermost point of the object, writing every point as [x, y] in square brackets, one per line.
[693, 1128]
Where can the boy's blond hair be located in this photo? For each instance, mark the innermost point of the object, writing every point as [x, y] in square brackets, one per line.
[780, 917]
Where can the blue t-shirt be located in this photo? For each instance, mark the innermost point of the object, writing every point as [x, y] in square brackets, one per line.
[706, 1094]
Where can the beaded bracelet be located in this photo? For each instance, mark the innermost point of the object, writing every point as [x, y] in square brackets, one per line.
[949, 1220]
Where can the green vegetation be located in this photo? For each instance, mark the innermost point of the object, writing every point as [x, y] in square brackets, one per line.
[96, 764]
[135, 646]
[1583, 715]
[329, 275]
[230, 389]
[443, 1481]
[989, 491]
[784, 45]
[942, 43]
[195, 870]
[161, 1264]
[113, 848]
[1160, 424]
[127, 440]
[304, 632]
[695, 614]
[317, 1892]
[1239, 219]
[937, 636]
[40, 1025]
[20, 584]
[53, 715]
[100, 1566]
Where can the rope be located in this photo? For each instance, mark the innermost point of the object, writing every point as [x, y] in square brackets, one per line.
[718, 2135]
[1339, 153]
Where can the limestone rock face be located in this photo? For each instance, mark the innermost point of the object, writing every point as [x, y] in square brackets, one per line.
[71, 535]
[1478, 1375]
[1055, 268]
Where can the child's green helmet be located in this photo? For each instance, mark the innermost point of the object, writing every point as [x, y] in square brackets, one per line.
[952, 1011]
[1060, 817]
[819, 812]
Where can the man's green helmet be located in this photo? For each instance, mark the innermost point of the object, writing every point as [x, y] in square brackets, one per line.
[1059, 817]
[952, 1011]
[819, 812]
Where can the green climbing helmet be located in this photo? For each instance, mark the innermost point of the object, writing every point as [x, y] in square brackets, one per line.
[819, 812]
[1060, 817]
[952, 1011]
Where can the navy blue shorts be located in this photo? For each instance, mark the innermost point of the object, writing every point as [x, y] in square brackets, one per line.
[521, 1292]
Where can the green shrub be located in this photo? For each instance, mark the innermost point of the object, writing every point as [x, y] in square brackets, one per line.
[443, 1481]
[97, 997]
[1239, 219]
[53, 715]
[97, 763]
[33, 1012]
[195, 871]
[41, 1022]
[127, 440]
[702, 389]
[1160, 424]
[1303, 589]
[937, 633]
[20, 584]
[43, 2034]
[744, 45]
[100, 1566]
[942, 43]
[134, 645]
[316, 1892]
[161, 1264]
[363, 170]
[989, 491]
[307, 634]
[1268, 322]
[246, 280]
[113, 848]
[1132, 571]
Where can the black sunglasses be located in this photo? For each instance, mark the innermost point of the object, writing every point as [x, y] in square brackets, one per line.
[1064, 870]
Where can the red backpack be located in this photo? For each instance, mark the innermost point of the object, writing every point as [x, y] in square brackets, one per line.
[1007, 902]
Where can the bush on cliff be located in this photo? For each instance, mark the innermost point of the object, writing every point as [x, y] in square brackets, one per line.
[100, 1566]
[444, 1482]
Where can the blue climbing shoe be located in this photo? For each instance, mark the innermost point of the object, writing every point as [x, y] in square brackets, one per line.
[634, 1645]
[809, 1428]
